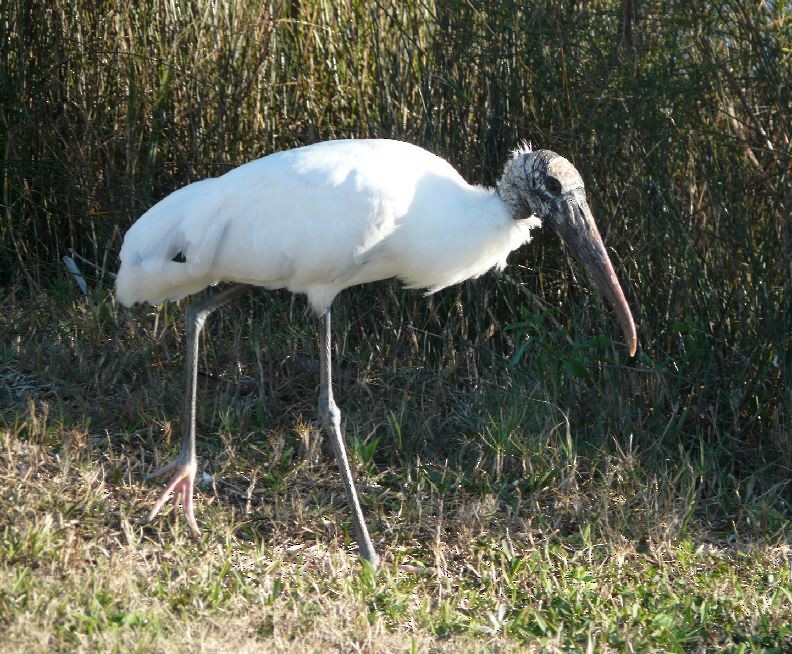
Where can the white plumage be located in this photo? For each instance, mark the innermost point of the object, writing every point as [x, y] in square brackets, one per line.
[319, 219]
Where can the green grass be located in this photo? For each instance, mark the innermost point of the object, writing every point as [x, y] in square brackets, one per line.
[502, 523]
[529, 487]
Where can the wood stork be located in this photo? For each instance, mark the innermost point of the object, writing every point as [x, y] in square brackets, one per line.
[321, 218]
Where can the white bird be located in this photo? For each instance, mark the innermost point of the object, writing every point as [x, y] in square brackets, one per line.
[321, 218]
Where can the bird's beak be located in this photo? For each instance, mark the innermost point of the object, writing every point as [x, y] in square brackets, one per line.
[578, 230]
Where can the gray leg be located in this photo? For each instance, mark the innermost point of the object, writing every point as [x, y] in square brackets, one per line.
[186, 463]
[331, 416]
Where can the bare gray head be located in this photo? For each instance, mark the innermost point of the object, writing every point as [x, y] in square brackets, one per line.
[544, 184]
[534, 180]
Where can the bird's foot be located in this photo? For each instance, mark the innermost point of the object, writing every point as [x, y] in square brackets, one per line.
[181, 485]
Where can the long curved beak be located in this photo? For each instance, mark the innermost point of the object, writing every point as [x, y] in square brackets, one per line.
[577, 229]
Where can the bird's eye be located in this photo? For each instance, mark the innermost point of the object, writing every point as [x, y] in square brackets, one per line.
[553, 185]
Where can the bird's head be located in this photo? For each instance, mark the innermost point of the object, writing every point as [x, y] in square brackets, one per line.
[544, 184]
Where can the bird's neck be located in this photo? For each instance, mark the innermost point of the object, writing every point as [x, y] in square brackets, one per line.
[508, 192]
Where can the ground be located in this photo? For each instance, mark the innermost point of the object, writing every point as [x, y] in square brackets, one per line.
[501, 526]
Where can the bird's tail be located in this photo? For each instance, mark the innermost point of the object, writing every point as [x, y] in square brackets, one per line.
[169, 252]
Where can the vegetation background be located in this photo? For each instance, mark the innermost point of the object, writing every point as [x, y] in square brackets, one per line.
[555, 494]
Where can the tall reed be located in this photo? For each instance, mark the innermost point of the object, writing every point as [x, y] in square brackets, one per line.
[678, 115]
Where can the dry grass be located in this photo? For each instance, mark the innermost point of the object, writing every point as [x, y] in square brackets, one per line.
[531, 537]
[563, 497]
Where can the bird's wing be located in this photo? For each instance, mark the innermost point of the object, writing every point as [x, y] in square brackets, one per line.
[314, 216]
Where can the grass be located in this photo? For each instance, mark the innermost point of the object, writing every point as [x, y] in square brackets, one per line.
[528, 486]
[503, 524]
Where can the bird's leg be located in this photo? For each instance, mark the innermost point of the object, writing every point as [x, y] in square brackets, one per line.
[186, 464]
[331, 416]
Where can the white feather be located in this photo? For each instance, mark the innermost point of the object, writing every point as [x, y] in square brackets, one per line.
[319, 219]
